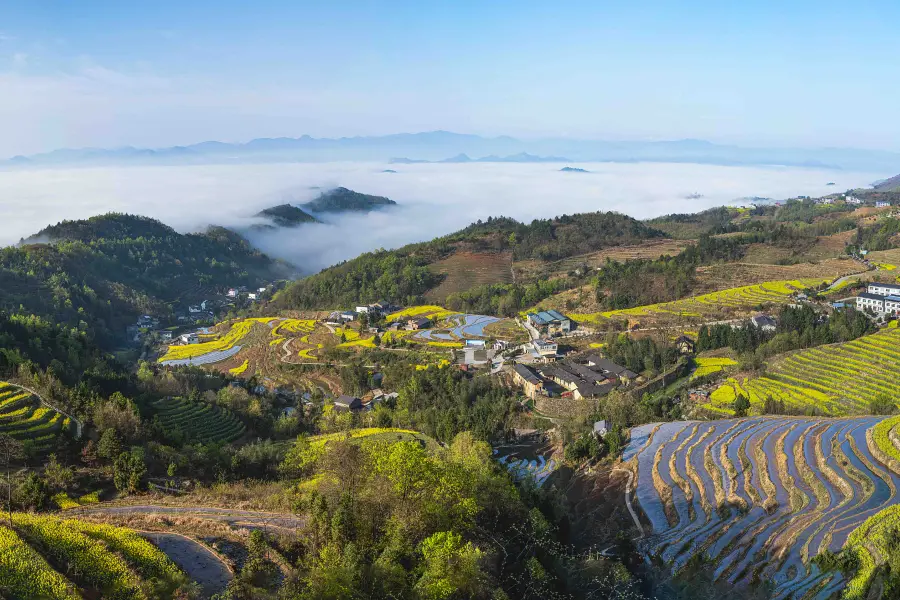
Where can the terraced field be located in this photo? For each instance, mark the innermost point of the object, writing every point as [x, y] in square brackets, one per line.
[54, 559]
[198, 421]
[712, 305]
[24, 418]
[758, 498]
[218, 348]
[837, 379]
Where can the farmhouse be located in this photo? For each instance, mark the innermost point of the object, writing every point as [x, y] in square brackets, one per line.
[416, 323]
[189, 338]
[550, 322]
[545, 348]
[345, 402]
[610, 368]
[164, 334]
[764, 323]
[685, 345]
[882, 204]
[580, 381]
[526, 378]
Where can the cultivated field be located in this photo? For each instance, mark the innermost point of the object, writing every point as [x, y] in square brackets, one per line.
[837, 379]
[715, 277]
[759, 498]
[706, 307]
[465, 270]
[54, 559]
[24, 418]
[198, 421]
[652, 249]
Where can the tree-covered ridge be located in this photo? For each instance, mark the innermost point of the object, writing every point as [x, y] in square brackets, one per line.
[343, 200]
[286, 215]
[99, 273]
[403, 275]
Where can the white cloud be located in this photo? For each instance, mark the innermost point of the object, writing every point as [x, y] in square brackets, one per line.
[435, 199]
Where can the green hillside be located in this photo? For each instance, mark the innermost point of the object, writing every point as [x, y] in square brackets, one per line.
[404, 276]
[343, 200]
[98, 274]
[286, 215]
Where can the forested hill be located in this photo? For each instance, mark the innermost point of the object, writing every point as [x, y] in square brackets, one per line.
[404, 276]
[98, 274]
[343, 200]
[286, 215]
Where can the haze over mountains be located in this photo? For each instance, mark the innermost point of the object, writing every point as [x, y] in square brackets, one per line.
[441, 145]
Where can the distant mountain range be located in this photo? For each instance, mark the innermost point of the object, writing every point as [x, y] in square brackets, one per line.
[521, 157]
[436, 146]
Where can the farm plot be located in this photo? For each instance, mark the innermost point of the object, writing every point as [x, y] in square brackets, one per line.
[465, 270]
[759, 498]
[198, 421]
[94, 560]
[709, 306]
[837, 379]
[220, 348]
[24, 418]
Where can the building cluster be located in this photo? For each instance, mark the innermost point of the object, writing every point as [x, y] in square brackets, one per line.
[591, 376]
[880, 298]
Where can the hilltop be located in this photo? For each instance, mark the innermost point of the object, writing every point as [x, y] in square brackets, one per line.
[106, 270]
[573, 170]
[343, 200]
[286, 215]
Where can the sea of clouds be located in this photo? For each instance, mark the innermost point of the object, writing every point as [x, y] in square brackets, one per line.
[434, 199]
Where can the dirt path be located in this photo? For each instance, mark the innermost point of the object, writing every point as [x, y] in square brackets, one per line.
[199, 562]
[246, 518]
[634, 516]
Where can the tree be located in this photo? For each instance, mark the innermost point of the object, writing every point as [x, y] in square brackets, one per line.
[449, 566]
[741, 406]
[109, 447]
[57, 476]
[128, 470]
[10, 449]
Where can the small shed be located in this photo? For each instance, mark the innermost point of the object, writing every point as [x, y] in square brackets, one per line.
[601, 428]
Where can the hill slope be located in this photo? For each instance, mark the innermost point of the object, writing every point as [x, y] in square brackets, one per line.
[98, 274]
[343, 200]
[889, 185]
[406, 274]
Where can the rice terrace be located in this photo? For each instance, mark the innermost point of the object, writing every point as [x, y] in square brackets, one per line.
[761, 498]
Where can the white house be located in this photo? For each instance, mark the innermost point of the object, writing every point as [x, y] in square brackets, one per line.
[232, 293]
[883, 289]
[194, 309]
[852, 200]
[251, 296]
[882, 204]
[872, 302]
[261, 290]
[189, 338]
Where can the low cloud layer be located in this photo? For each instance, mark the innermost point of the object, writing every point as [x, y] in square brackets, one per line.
[434, 199]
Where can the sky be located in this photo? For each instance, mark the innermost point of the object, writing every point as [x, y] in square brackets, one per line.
[154, 74]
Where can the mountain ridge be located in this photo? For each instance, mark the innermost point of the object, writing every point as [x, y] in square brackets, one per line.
[438, 145]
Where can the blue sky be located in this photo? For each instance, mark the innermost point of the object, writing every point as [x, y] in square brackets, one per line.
[89, 73]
